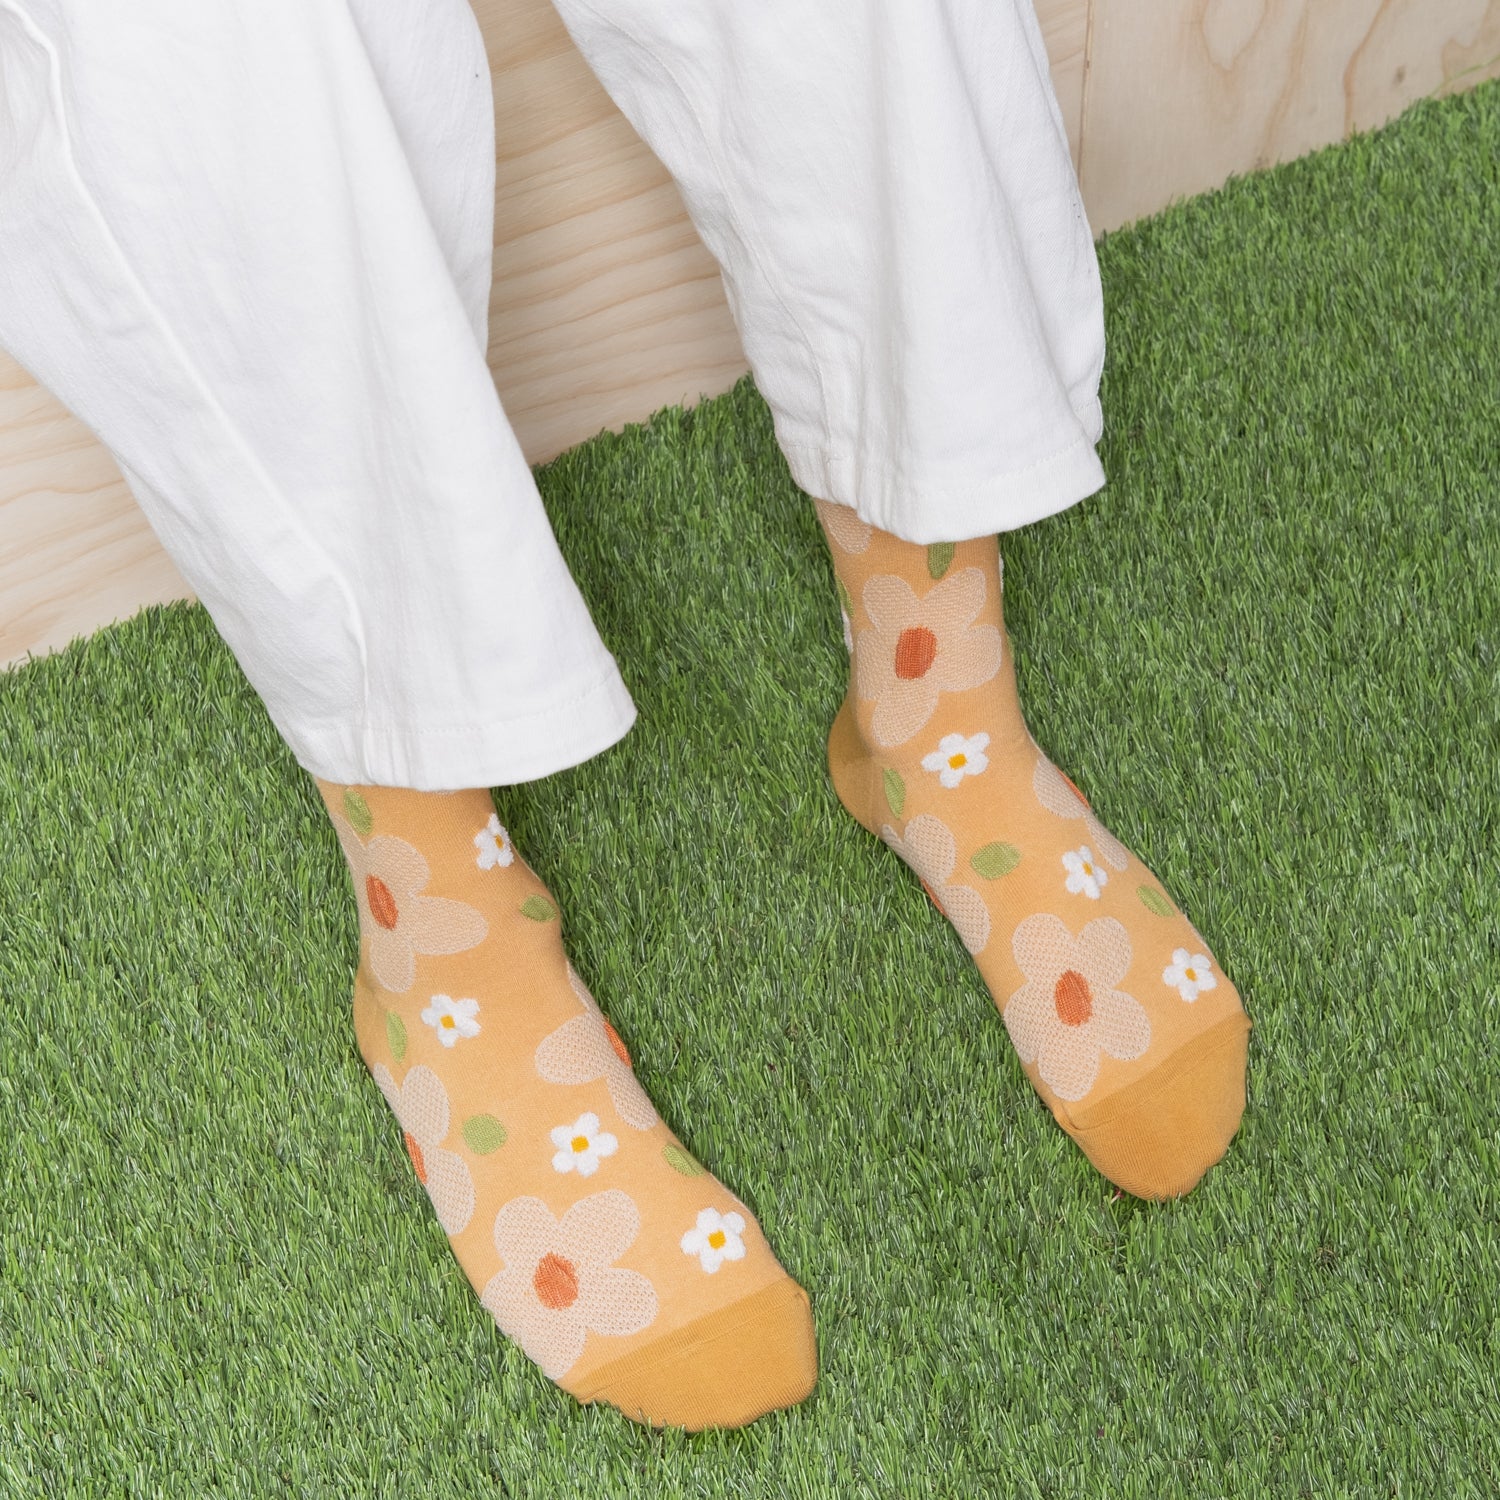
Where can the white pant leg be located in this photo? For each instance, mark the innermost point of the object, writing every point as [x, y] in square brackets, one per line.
[887, 188]
[429, 61]
[248, 243]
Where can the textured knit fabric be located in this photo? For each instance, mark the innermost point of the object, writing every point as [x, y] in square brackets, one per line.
[249, 244]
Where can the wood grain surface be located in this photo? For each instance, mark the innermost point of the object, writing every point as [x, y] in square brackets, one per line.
[1182, 94]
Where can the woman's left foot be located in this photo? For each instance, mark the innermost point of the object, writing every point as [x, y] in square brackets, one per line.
[1132, 1035]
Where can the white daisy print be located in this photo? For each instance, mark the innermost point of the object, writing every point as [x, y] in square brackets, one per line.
[1189, 974]
[451, 1018]
[582, 1145]
[957, 756]
[493, 844]
[715, 1239]
[1084, 874]
[848, 631]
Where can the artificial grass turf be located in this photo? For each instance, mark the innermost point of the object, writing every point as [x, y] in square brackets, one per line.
[1269, 652]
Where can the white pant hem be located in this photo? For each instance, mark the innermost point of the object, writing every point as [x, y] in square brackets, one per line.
[901, 504]
[500, 752]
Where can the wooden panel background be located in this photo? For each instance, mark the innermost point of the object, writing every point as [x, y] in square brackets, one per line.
[1181, 94]
[606, 307]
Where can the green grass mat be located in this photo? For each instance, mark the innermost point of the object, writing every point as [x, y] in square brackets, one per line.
[1269, 650]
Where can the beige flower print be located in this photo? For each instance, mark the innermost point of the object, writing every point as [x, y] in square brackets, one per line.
[843, 524]
[588, 1047]
[397, 921]
[559, 1281]
[1070, 1010]
[1058, 795]
[916, 649]
[927, 846]
[420, 1103]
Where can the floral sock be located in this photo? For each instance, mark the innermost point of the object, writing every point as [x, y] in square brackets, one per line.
[1131, 1034]
[617, 1263]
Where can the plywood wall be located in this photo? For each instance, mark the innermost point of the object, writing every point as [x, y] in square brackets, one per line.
[606, 307]
[1181, 94]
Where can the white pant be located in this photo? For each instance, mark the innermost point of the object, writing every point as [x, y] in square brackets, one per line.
[248, 242]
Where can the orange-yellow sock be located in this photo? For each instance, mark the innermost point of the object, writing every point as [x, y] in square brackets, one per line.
[621, 1267]
[1128, 1029]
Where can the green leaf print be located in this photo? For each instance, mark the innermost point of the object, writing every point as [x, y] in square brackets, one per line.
[895, 790]
[1153, 900]
[357, 810]
[395, 1035]
[680, 1161]
[483, 1134]
[995, 860]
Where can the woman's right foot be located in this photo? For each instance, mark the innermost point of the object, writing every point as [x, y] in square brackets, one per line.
[620, 1266]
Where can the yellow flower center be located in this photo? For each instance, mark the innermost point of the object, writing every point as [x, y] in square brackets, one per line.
[448, 1021]
[716, 1239]
[580, 1143]
[1088, 869]
[958, 760]
[1192, 975]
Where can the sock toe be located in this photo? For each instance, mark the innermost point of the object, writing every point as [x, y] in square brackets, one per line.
[1158, 1137]
[752, 1357]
